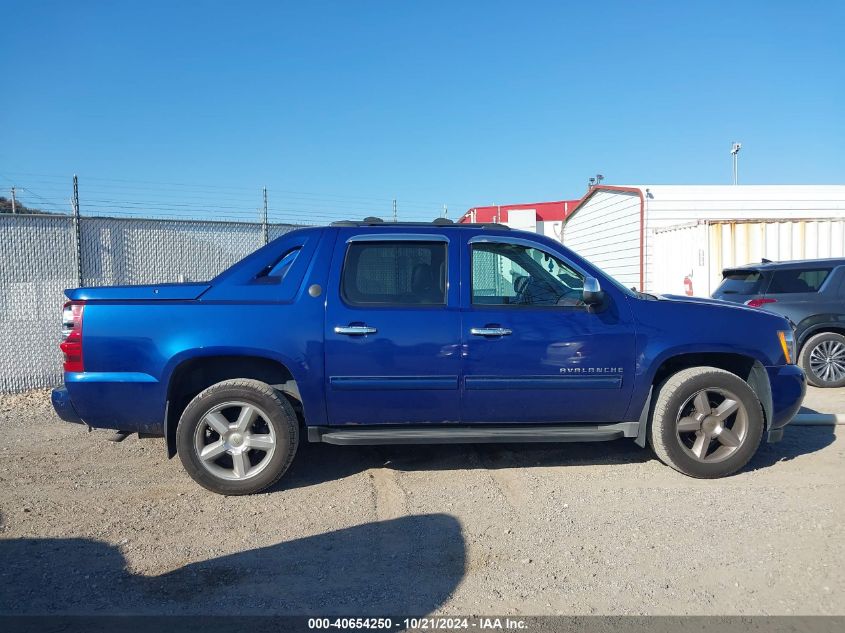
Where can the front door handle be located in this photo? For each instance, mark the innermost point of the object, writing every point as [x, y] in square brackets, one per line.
[490, 331]
[354, 330]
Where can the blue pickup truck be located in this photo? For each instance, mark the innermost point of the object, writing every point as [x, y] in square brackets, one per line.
[375, 333]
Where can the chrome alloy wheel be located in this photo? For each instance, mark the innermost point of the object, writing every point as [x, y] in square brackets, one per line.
[712, 424]
[235, 441]
[827, 361]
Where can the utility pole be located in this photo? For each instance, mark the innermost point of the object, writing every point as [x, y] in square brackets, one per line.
[14, 202]
[264, 228]
[77, 229]
[395, 218]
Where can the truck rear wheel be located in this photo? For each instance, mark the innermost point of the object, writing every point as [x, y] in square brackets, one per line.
[707, 422]
[237, 437]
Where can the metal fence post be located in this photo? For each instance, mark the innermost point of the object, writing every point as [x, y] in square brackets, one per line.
[264, 228]
[77, 229]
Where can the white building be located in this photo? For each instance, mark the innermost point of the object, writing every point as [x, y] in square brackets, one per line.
[678, 238]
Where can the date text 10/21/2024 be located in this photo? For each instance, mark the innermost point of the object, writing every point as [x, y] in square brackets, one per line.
[419, 624]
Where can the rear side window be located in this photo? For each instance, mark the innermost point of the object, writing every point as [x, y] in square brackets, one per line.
[395, 273]
[741, 282]
[283, 265]
[276, 272]
[798, 280]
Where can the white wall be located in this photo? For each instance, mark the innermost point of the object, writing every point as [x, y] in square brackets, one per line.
[606, 231]
[681, 252]
[551, 228]
[523, 219]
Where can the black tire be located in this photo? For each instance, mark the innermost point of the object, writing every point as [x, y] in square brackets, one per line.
[819, 342]
[273, 418]
[675, 406]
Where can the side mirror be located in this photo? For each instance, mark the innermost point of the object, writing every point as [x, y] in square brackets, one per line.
[593, 294]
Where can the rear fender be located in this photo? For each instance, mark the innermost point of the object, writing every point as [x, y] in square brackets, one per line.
[819, 323]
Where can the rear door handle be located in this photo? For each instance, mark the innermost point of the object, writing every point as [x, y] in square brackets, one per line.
[354, 330]
[490, 331]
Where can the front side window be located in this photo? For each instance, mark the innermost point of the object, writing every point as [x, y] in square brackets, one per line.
[395, 273]
[515, 275]
[794, 280]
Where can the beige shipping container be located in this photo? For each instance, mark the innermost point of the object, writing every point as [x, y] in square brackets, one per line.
[689, 258]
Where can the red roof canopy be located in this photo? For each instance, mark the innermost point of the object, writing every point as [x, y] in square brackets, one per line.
[546, 211]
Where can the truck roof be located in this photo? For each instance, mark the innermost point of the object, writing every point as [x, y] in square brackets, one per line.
[439, 222]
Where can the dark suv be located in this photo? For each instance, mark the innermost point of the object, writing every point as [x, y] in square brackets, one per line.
[811, 293]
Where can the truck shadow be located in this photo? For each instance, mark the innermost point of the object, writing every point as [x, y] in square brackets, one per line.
[797, 441]
[317, 463]
[406, 565]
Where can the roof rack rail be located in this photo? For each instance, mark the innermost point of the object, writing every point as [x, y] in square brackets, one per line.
[374, 221]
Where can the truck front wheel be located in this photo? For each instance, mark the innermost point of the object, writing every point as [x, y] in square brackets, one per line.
[237, 437]
[707, 422]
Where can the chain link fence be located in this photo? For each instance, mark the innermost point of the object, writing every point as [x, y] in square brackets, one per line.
[40, 257]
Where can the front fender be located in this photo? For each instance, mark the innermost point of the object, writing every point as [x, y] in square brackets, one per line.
[653, 364]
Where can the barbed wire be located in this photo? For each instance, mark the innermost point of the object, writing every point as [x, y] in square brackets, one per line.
[197, 201]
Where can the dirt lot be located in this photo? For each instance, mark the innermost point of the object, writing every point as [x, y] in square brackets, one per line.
[91, 526]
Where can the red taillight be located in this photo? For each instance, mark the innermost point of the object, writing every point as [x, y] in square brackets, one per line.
[756, 303]
[72, 332]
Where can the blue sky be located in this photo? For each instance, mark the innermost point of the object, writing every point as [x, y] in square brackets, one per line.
[340, 106]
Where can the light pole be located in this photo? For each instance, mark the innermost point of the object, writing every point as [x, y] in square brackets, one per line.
[735, 157]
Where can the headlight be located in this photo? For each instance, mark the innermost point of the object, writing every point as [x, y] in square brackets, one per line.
[787, 343]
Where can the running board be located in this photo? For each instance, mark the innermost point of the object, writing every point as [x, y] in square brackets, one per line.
[472, 434]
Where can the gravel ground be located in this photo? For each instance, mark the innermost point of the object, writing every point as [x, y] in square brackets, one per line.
[91, 526]
[824, 401]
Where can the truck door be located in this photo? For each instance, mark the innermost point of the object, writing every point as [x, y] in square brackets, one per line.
[534, 352]
[392, 333]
